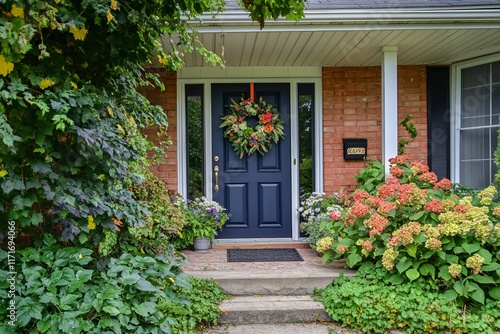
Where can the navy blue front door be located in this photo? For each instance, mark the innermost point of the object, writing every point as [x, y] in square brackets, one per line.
[256, 189]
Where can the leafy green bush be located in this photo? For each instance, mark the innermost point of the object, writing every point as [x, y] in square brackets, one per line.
[165, 220]
[202, 311]
[415, 226]
[373, 304]
[65, 290]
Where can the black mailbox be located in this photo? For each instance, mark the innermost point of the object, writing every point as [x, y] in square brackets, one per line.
[355, 148]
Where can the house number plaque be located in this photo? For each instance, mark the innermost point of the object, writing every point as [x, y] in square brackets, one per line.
[355, 148]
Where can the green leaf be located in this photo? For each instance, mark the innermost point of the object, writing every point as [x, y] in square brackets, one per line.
[478, 295]
[111, 310]
[43, 325]
[353, 259]
[428, 269]
[486, 255]
[28, 309]
[396, 279]
[412, 250]
[403, 265]
[451, 258]
[459, 288]
[483, 279]
[145, 285]
[412, 274]
[346, 242]
[417, 216]
[419, 239]
[470, 248]
[49, 297]
[129, 279]
[495, 293]
[67, 301]
[366, 266]
[36, 218]
[490, 267]
[84, 275]
[450, 295]
[145, 309]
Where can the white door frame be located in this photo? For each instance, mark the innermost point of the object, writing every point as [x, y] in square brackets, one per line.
[291, 75]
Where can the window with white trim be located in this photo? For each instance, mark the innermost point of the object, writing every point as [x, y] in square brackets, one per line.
[478, 112]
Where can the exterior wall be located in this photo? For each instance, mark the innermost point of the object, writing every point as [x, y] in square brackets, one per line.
[352, 108]
[166, 170]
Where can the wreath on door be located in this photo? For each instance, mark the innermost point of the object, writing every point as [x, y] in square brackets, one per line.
[247, 139]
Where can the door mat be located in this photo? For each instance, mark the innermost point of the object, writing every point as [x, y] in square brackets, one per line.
[263, 255]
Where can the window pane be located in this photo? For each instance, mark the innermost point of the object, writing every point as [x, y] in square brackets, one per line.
[475, 144]
[475, 174]
[306, 135]
[495, 77]
[476, 76]
[480, 109]
[495, 103]
[476, 107]
[194, 110]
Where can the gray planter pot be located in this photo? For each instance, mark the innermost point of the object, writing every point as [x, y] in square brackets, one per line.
[201, 244]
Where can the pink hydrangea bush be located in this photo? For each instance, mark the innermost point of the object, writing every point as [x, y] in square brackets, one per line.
[415, 225]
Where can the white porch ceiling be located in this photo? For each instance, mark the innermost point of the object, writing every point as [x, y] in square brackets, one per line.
[351, 38]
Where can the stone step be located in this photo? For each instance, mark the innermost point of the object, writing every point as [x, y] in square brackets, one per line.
[273, 282]
[271, 310]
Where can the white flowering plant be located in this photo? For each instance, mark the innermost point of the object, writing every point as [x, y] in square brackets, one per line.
[317, 208]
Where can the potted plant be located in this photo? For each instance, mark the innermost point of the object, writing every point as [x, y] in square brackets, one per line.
[209, 217]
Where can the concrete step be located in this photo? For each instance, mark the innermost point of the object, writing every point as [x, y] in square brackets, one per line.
[271, 310]
[273, 282]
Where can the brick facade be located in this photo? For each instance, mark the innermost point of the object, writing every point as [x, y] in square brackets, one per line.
[167, 99]
[352, 108]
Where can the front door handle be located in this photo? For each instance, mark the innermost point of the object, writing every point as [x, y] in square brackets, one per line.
[216, 173]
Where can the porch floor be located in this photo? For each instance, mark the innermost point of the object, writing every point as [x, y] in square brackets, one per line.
[216, 259]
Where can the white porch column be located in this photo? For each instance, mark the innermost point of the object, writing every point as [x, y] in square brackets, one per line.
[389, 104]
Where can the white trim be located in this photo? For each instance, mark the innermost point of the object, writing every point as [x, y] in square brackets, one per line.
[263, 241]
[389, 104]
[207, 76]
[318, 136]
[181, 134]
[466, 17]
[456, 107]
[360, 15]
[294, 149]
[207, 131]
[375, 25]
[247, 73]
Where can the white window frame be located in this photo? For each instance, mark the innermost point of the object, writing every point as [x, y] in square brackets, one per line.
[456, 107]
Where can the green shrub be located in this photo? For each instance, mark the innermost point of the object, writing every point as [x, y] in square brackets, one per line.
[65, 290]
[202, 311]
[165, 221]
[415, 226]
[373, 304]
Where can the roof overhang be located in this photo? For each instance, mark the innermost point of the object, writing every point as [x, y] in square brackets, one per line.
[352, 37]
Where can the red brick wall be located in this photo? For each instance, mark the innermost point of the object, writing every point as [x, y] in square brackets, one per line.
[167, 99]
[352, 108]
